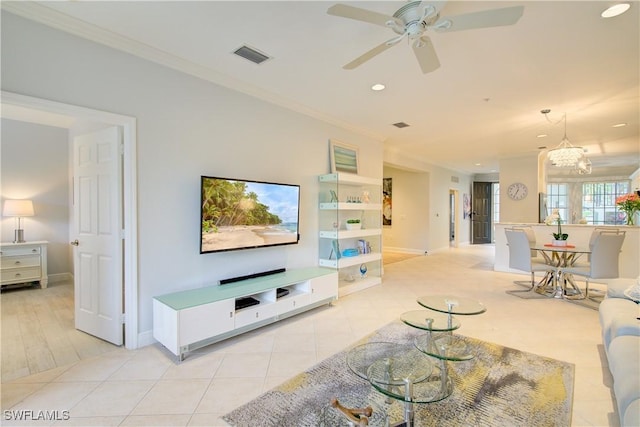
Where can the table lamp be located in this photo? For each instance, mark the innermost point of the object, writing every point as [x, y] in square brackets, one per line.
[18, 209]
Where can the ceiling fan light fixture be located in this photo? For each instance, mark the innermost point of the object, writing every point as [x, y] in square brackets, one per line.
[615, 10]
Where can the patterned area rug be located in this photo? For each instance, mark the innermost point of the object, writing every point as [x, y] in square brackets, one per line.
[500, 386]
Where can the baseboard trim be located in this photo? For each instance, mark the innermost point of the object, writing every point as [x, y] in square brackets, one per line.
[146, 338]
[60, 277]
[405, 250]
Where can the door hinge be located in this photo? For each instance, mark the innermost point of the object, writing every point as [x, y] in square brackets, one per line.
[123, 318]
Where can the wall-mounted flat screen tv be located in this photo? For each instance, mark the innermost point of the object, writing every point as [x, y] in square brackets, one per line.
[242, 214]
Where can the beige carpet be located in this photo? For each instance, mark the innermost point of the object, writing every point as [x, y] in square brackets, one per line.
[500, 386]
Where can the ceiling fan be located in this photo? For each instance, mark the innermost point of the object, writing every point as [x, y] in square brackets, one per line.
[414, 19]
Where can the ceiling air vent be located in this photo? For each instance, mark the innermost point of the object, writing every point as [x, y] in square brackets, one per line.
[251, 54]
[401, 125]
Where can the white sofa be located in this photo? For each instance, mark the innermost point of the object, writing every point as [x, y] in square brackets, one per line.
[620, 322]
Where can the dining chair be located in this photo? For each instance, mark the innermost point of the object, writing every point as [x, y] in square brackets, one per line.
[596, 232]
[520, 255]
[605, 254]
[531, 236]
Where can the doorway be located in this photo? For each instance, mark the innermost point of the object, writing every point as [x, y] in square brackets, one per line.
[481, 207]
[127, 202]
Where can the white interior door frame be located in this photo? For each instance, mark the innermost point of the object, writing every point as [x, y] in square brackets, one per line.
[130, 213]
[455, 213]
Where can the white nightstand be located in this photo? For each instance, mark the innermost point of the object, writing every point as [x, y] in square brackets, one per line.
[23, 263]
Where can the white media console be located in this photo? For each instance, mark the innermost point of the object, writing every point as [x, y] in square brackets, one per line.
[188, 320]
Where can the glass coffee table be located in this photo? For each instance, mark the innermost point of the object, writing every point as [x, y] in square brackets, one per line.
[404, 371]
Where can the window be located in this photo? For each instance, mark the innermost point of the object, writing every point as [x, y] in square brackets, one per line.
[599, 202]
[557, 198]
[495, 189]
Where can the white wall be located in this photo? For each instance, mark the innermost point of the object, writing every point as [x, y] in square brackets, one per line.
[186, 127]
[35, 166]
[409, 230]
[438, 183]
[524, 170]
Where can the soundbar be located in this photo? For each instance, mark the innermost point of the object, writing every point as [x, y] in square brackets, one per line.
[252, 276]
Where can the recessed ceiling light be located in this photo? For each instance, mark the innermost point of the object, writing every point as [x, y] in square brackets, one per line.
[378, 86]
[542, 135]
[478, 164]
[619, 125]
[615, 10]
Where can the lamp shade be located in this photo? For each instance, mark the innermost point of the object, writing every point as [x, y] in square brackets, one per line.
[19, 208]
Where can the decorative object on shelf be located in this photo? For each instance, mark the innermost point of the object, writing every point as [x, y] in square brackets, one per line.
[565, 155]
[353, 224]
[366, 198]
[363, 270]
[517, 191]
[344, 157]
[350, 252]
[335, 248]
[559, 238]
[18, 209]
[364, 246]
[334, 196]
[629, 204]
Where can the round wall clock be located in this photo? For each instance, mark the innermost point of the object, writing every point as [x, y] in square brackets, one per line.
[517, 191]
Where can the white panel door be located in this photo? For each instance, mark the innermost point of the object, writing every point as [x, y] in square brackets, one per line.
[97, 229]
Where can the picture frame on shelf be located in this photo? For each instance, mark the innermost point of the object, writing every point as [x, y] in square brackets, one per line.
[344, 157]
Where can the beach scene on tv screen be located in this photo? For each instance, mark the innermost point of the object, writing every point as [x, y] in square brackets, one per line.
[241, 214]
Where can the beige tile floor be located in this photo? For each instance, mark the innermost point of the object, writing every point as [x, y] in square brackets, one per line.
[147, 387]
[38, 331]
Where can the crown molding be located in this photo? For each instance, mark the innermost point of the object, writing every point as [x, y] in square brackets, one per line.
[38, 12]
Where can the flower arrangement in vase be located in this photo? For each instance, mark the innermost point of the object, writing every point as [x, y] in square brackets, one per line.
[559, 238]
[629, 204]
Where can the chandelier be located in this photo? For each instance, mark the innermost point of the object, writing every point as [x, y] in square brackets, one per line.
[566, 155]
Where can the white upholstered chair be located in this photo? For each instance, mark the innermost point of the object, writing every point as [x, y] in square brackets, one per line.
[605, 254]
[596, 232]
[531, 236]
[520, 255]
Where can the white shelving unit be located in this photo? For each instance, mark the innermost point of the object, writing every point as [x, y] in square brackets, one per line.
[346, 196]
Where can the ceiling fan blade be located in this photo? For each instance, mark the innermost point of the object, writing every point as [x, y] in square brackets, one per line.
[368, 55]
[483, 19]
[359, 14]
[426, 54]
